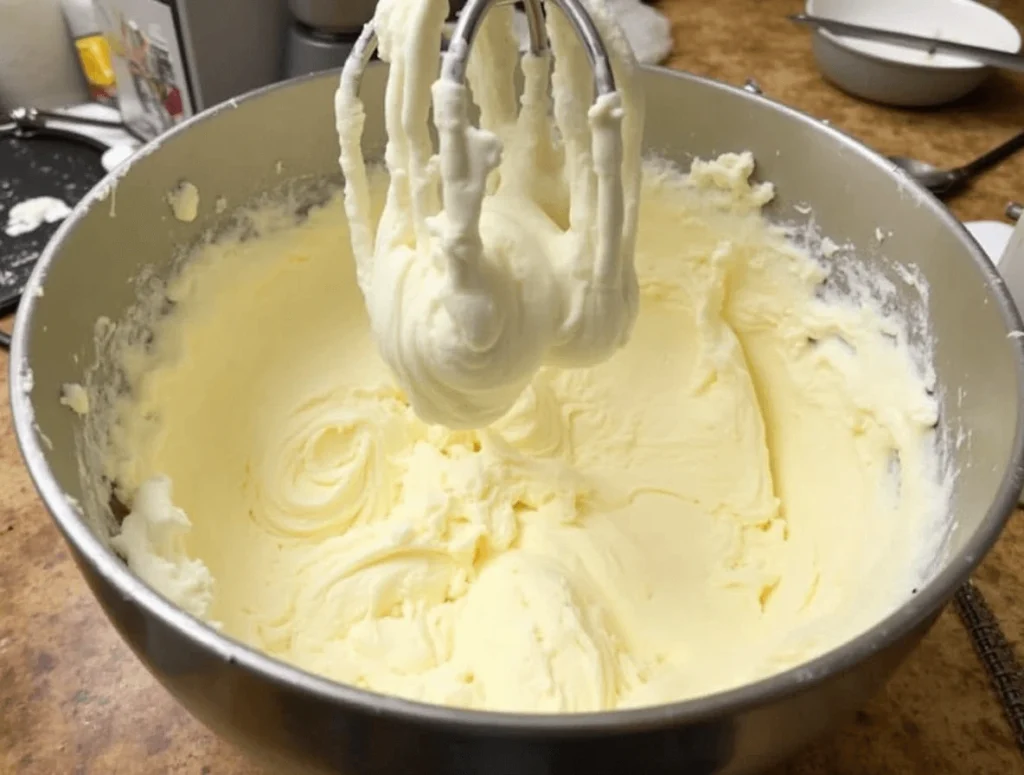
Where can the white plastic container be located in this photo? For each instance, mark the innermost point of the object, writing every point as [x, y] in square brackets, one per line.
[1011, 265]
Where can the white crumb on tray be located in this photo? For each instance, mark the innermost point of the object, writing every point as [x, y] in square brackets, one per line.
[27, 216]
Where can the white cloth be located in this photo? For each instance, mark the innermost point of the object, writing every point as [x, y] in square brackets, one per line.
[646, 29]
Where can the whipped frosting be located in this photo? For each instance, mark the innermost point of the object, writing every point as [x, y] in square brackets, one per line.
[512, 247]
[743, 478]
[184, 201]
[748, 483]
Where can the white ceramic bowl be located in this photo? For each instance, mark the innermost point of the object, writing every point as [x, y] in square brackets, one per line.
[894, 75]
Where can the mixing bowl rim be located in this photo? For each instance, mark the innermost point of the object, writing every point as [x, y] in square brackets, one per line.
[114, 571]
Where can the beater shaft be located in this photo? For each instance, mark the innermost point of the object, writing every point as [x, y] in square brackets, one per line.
[456, 58]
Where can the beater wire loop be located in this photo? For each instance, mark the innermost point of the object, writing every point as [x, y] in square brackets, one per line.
[456, 58]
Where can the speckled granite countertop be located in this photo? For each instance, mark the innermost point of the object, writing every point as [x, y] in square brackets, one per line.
[74, 700]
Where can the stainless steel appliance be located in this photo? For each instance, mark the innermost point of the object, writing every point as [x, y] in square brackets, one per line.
[174, 58]
[322, 33]
[333, 15]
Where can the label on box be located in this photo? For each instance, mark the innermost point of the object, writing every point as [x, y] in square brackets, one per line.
[148, 60]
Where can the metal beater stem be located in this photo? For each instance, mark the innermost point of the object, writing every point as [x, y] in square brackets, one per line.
[535, 25]
[453, 66]
[454, 61]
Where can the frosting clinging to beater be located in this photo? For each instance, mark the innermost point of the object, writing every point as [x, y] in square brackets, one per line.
[512, 246]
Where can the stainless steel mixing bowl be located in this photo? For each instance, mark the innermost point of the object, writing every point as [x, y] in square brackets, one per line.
[294, 721]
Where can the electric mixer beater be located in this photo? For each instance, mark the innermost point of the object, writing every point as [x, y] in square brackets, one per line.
[475, 280]
[456, 58]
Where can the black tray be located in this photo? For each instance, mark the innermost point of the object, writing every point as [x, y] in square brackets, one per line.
[38, 166]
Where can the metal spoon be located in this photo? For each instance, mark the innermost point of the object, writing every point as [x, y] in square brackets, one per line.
[946, 181]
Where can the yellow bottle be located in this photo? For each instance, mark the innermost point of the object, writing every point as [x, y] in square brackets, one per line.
[93, 50]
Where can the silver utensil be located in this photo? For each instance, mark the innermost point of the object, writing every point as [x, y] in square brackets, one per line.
[1014, 210]
[456, 58]
[985, 56]
[940, 181]
[946, 181]
[27, 122]
[34, 117]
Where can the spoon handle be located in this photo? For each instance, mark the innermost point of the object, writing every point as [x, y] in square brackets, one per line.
[994, 156]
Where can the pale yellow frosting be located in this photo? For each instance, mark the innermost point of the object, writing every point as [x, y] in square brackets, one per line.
[512, 246]
[748, 483]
